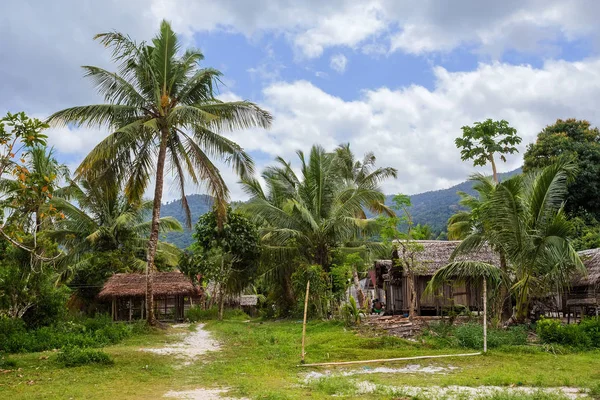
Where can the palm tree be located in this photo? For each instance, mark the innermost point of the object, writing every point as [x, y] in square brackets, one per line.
[99, 219]
[524, 216]
[468, 225]
[311, 214]
[162, 111]
[364, 174]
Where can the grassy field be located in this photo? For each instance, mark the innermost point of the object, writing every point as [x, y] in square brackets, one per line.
[259, 360]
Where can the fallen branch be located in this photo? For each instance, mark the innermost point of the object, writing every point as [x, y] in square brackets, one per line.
[388, 360]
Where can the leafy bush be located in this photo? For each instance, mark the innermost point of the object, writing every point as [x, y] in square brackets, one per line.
[72, 356]
[585, 335]
[471, 336]
[197, 313]
[351, 313]
[7, 363]
[91, 332]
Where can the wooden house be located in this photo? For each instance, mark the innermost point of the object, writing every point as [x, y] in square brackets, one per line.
[174, 294]
[434, 255]
[583, 295]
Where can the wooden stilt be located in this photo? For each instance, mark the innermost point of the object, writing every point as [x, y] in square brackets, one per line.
[388, 360]
[304, 323]
[484, 315]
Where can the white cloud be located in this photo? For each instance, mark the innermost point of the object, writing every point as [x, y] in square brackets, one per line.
[400, 25]
[338, 63]
[413, 128]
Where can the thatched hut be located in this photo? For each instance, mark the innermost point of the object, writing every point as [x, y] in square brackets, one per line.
[584, 293]
[174, 294]
[434, 255]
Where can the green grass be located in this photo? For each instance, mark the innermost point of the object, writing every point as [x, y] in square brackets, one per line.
[259, 360]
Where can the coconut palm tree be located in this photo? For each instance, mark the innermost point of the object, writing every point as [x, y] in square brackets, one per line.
[364, 174]
[309, 215]
[163, 114]
[524, 216]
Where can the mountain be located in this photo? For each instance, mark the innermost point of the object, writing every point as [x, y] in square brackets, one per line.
[435, 207]
[430, 208]
[199, 204]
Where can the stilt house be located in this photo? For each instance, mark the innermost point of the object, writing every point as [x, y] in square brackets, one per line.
[434, 255]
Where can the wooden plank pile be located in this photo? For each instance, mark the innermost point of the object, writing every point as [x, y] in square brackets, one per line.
[396, 325]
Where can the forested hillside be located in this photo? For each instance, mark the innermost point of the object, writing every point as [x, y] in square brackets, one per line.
[431, 208]
[199, 204]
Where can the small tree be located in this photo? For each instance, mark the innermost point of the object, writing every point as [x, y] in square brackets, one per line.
[229, 256]
[404, 248]
[484, 139]
[24, 185]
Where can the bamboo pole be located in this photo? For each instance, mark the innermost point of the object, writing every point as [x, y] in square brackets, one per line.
[304, 323]
[484, 315]
[388, 360]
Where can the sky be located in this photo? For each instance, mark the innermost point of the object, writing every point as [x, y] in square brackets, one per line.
[398, 78]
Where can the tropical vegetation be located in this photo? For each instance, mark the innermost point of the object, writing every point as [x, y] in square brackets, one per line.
[164, 116]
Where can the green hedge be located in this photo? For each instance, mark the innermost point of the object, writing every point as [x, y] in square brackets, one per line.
[585, 335]
[91, 332]
[197, 313]
[471, 335]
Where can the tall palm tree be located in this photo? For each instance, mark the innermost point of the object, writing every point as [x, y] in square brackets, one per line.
[162, 111]
[310, 214]
[524, 215]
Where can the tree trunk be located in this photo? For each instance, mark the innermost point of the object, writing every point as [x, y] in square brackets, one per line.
[505, 302]
[412, 304]
[221, 302]
[359, 291]
[494, 172]
[152, 242]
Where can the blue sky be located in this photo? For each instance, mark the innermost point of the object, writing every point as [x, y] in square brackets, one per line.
[395, 77]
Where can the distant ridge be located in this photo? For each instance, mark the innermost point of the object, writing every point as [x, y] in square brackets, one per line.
[432, 208]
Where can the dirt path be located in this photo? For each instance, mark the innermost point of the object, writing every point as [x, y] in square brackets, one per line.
[191, 348]
[193, 344]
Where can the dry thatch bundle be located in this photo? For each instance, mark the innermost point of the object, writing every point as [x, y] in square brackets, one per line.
[591, 260]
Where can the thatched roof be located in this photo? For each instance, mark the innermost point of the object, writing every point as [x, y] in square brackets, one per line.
[591, 260]
[165, 284]
[436, 254]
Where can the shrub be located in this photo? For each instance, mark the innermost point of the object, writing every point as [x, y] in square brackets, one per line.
[351, 313]
[196, 314]
[585, 335]
[91, 332]
[72, 356]
[7, 363]
[471, 336]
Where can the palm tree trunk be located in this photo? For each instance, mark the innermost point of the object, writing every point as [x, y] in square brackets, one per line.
[505, 311]
[152, 242]
[359, 291]
[221, 302]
